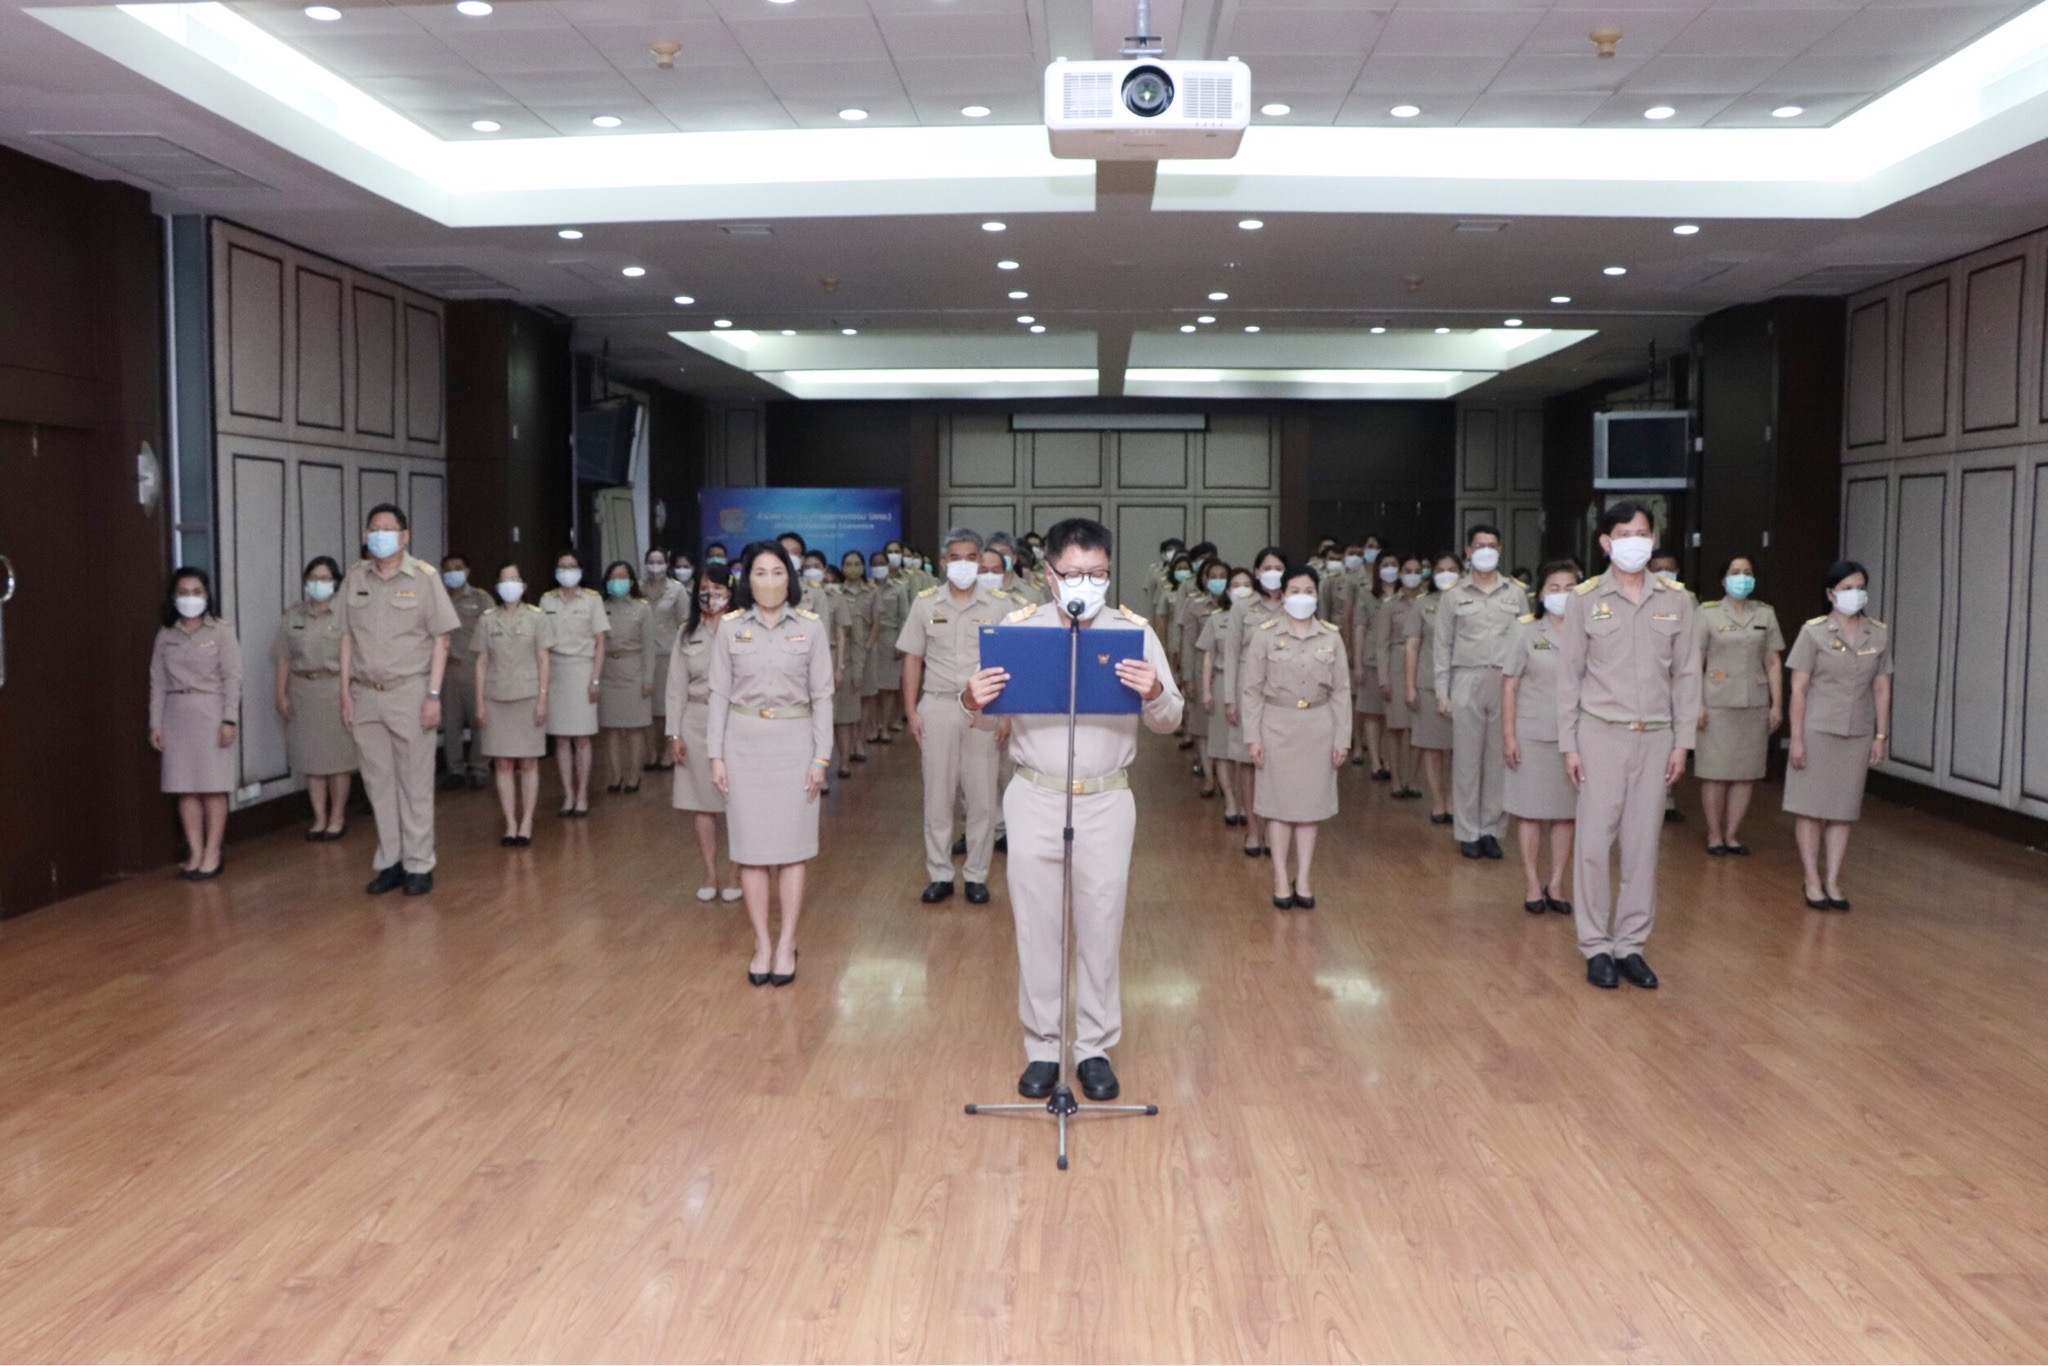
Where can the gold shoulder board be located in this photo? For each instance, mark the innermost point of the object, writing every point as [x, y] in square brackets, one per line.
[1875, 622]
[1021, 613]
[1715, 603]
[806, 613]
[1129, 615]
[734, 615]
[929, 591]
[1526, 618]
[1267, 624]
[1589, 585]
[1331, 626]
[999, 593]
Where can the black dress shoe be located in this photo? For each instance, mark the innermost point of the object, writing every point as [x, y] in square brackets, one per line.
[1233, 820]
[1438, 818]
[616, 788]
[418, 884]
[845, 772]
[1207, 793]
[1284, 903]
[1738, 850]
[1536, 907]
[1471, 849]
[783, 979]
[522, 841]
[509, 841]
[1098, 1079]
[1717, 851]
[1557, 907]
[1038, 1080]
[1673, 816]
[476, 782]
[959, 846]
[1489, 846]
[758, 979]
[1600, 971]
[449, 782]
[1835, 903]
[1358, 760]
[1304, 903]
[936, 892]
[316, 836]
[196, 875]
[1638, 972]
[1819, 903]
[977, 894]
[387, 880]
[1382, 775]
[1002, 844]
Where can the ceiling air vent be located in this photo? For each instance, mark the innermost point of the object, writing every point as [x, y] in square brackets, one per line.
[154, 160]
[448, 281]
[1846, 279]
[1088, 95]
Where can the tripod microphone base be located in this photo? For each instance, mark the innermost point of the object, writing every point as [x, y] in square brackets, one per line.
[1061, 1106]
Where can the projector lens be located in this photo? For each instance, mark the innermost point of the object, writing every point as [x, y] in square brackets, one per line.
[1147, 92]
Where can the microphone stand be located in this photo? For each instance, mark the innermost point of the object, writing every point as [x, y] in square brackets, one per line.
[1062, 1106]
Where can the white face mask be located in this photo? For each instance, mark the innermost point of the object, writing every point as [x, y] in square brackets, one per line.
[455, 578]
[1090, 595]
[1300, 606]
[382, 544]
[657, 568]
[511, 591]
[568, 578]
[1271, 579]
[191, 605]
[989, 580]
[962, 573]
[813, 574]
[1411, 580]
[319, 590]
[1240, 592]
[1390, 573]
[1445, 580]
[684, 573]
[1486, 559]
[1354, 561]
[895, 557]
[1630, 553]
[1554, 603]
[878, 571]
[1848, 601]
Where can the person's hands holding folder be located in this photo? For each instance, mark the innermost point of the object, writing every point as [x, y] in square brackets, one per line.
[985, 687]
[1140, 677]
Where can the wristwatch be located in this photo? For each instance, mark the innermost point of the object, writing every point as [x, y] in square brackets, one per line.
[433, 696]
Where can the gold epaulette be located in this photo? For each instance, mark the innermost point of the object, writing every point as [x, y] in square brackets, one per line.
[1330, 624]
[1526, 618]
[1268, 623]
[1820, 620]
[1129, 615]
[806, 613]
[1715, 603]
[1670, 582]
[734, 614]
[1022, 612]
[929, 591]
[1875, 622]
[1589, 585]
[999, 593]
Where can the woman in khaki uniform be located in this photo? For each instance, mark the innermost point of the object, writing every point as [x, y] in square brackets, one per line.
[625, 697]
[1841, 725]
[1269, 578]
[513, 660]
[1213, 581]
[307, 654]
[1217, 642]
[769, 736]
[670, 600]
[1296, 697]
[578, 625]
[1369, 595]
[1742, 653]
[1428, 731]
[1536, 791]
[689, 721]
[855, 627]
[195, 700]
[1392, 628]
[885, 666]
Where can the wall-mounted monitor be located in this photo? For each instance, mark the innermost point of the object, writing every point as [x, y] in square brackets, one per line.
[1642, 450]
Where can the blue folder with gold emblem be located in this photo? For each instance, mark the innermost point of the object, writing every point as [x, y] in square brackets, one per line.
[1037, 661]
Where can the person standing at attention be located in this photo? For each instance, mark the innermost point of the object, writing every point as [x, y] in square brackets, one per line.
[689, 723]
[1628, 710]
[1537, 793]
[670, 595]
[459, 687]
[1429, 727]
[1841, 725]
[1297, 724]
[625, 698]
[195, 704]
[307, 654]
[885, 666]
[1078, 555]
[511, 649]
[1742, 653]
[1475, 630]
[577, 626]
[395, 624]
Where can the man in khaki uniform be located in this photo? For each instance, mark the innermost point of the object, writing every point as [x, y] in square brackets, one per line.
[1475, 631]
[1105, 821]
[395, 621]
[941, 645]
[1628, 710]
[458, 711]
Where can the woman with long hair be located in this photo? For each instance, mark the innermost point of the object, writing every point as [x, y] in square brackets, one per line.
[625, 699]
[689, 721]
[195, 704]
[307, 656]
[1428, 731]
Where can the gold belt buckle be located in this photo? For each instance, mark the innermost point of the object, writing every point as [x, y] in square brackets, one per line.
[1302, 705]
[767, 713]
[1637, 725]
[1080, 787]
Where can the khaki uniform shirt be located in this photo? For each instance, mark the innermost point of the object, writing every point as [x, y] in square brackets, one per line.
[206, 660]
[578, 622]
[891, 602]
[1839, 695]
[1425, 620]
[1626, 662]
[309, 638]
[1475, 627]
[857, 615]
[1103, 744]
[671, 603]
[1289, 671]
[1733, 638]
[1245, 619]
[470, 604]
[515, 638]
[391, 623]
[1532, 663]
[629, 640]
[755, 665]
[689, 673]
[948, 636]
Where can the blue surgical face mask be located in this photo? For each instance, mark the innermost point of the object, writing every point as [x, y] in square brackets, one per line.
[618, 588]
[455, 578]
[1183, 575]
[383, 544]
[319, 590]
[1739, 585]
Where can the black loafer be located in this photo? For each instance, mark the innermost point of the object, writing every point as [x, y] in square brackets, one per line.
[1600, 971]
[1098, 1079]
[1717, 851]
[959, 846]
[1489, 846]
[1738, 850]
[1038, 1080]
[418, 884]
[936, 892]
[1002, 844]
[977, 894]
[1638, 972]
[1438, 818]
[1471, 849]
[1536, 907]
[388, 880]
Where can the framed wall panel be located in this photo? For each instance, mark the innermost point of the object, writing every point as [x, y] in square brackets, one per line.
[1866, 524]
[1479, 451]
[983, 516]
[1152, 460]
[324, 523]
[1528, 429]
[1475, 514]
[1525, 540]
[258, 587]
[375, 485]
[1868, 370]
[376, 368]
[318, 383]
[422, 374]
[1984, 578]
[981, 453]
[2034, 685]
[1923, 363]
[1040, 516]
[1921, 541]
[1140, 527]
[1992, 298]
[1066, 460]
[255, 334]
[1237, 455]
[426, 497]
[1240, 530]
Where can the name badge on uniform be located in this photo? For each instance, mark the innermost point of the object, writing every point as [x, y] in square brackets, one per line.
[1665, 616]
[1837, 644]
[938, 621]
[1542, 645]
[744, 636]
[1870, 650]
[405, 593]
[798, 639]
[1602, 612]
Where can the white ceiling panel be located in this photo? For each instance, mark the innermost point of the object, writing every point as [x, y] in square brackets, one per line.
[1923, 30]
[1349, 31]
[1644, 31]
[705, 42]
[572, 119]
[975, 80]
[1811, 74]
[604, 91]
[1532, 71]
[884, 111]
[833, 80]
[1399, 75]
[1665, 76]
[1438, 111]
[1531, 110]
[1694, 110]
[1462, 33]
[444, 18]
[1332, 74]
[393, 54]
[956, 35]
[702, 86]
[1766, 31]
[587, 14]
[727, 116]
[781, 41]
[502, 51]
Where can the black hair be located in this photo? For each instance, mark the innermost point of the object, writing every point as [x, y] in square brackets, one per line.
[1083, 533]
[394, 509]
[1478, 529]
[718, 546]
[1621, 514]
[819, 556]
[1202, 550]
[569, 554]
[632, 579]
[1274, 552]
[1170, 543]
[1839, 570]
[697, 606]
[1178, 559]
[319, 560]
[170, 607]
[743, 572]
[1550, 567]
[1729, 568]
[1209, 567]
[451, 555]
[801, 544]
[1306, 571]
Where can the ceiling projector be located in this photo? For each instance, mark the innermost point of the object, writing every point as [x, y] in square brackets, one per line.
[1147, 109]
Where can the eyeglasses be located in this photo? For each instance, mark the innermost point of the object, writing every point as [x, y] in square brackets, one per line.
[1074, 581]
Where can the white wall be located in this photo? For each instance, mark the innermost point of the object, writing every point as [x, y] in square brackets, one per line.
[1945, 498]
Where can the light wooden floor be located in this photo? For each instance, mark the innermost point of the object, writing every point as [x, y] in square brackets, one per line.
[542, 1116]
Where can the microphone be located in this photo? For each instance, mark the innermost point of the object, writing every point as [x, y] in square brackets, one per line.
[1075, 609]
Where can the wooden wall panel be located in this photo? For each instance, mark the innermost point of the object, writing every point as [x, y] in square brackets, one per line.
[2033, 690]
[1240, 531]
[981, 453]
[1528, 438]
[1992, 300]
[426, 508]
[375, 315]
[1923, 363]
[1866, 529]
[1237, 455]
[983, 515]
[254, 338]
[1984, 580]
[1479, 451]
[323, 513]
[1869, 368]
[318, 382]
[423, 367]
[1066, 460]
[1140, 527]
[1042, 515]
[1153, 460]
[1920, 540]
[259, 587]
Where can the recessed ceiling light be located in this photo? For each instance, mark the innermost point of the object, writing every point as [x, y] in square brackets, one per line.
[722, 322]
[475, 9]
[1405, 111]
[1615, 270]
[849, 331]
[1038, 327]
[1512, 322]
[570, 234]
[1377, 330]
[1251, 224]
[779, 2]
[853, 115]
[1006, 265]
[1686, 229]
[993, 226]
[490, 126]
[684, 301]
[326, 14]
[1026, 318]
[633, 272]
[789, 331]
[1252, 327]
[1658, 112]
[1020, 293]
[1206, 319]
[607, 120]
[1443, 331]
[1275, 111]
[975, 111]
[1187, 327]
[1560, 298]
[1217, 296]
[1788, 111]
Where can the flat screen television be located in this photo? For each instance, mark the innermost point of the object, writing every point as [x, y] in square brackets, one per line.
[1642, 450]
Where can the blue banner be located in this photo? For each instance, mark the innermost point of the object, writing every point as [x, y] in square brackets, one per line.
[832, 520]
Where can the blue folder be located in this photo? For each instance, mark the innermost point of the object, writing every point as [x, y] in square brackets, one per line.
[1037, 661]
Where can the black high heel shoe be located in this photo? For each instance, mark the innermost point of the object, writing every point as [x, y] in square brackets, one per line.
[1819, 903]
[783, 979]
[759, 979]
[1284, 903]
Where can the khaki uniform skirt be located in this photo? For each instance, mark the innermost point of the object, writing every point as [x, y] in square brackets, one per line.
[1397, 713]
[570, 710]
[1539, 789]
[510, 732]
[692, 789]
[193, 758]
[619, 703]
[769, 822]
[315, 738]
[1365, 698]
[1298, 784]
[1426, 730]
[1734, 745]
[1830, 787]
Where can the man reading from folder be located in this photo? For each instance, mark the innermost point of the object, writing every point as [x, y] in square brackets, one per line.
[1077, 553]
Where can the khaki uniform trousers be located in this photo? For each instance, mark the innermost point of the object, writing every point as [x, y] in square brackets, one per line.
[1104, 825]
[398, 771]
[1478, 762]
[1623, 798]
[458, 712]
[959, 770]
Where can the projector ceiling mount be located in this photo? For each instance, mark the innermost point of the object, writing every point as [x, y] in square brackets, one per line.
[1144, 43]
